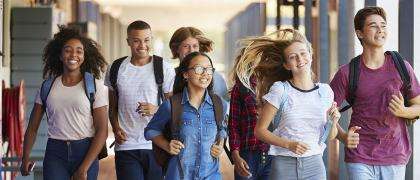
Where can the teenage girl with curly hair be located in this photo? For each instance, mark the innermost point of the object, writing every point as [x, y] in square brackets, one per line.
[76, 131]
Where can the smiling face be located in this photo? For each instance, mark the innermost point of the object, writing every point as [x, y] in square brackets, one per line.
[374, 31]
[298, 58]
[188, 46]
[72, 55]
[199, 73]
[140, 42]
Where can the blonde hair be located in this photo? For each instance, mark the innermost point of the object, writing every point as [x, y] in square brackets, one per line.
[263, 57]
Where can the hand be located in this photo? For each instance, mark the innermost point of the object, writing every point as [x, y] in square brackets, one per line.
[216, 150]
[80, 174]
[352, 138]
[241, 167]
[175, 147]
[120, 136]
[298, 148]
[334, 113]
[146, 109]
[396, 106]
[25, 167]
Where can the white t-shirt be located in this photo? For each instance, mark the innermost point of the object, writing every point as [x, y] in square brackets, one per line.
[303, 116]
[137, 84]
[68, 110]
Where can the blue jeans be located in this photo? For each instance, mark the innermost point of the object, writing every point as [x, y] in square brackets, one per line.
[294, 168]
[259, 165]
[62, 159]
[358, 171]
[137, 165]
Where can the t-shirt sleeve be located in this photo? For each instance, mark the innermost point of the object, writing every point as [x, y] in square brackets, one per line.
[339, 85]
[157, 124]
[414, 91]
[330, 94]
[101, 95]
[107, 80]
[168, 77]
[275, 95]
[326, 92]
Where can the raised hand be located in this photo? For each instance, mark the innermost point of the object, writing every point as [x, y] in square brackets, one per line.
[352, 138]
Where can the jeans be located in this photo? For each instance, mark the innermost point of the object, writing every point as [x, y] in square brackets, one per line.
[259, 165]
[62, 159]
[358, 171]
[293, 168]
[137, 164]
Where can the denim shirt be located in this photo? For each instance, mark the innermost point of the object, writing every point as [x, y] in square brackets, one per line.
[198, 134]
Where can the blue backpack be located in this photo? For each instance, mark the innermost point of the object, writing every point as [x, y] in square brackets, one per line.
[89, 84]
[90, 90]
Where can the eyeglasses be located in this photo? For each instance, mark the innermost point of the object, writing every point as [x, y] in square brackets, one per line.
[199, 70]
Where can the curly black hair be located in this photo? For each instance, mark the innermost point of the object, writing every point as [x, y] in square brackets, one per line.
[94, 62]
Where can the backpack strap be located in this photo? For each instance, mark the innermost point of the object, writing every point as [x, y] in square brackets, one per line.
[323, 92]
[89, 85]
[158, 71]
[90, 91]
[402, 70]
[276, 120]
[113, 76]
[218, 114]
[113, 73]
[176, 114]
[90, 88]
[45, 91]
[354, 72]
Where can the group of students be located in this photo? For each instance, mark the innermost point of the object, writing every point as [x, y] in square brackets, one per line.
[278, 122]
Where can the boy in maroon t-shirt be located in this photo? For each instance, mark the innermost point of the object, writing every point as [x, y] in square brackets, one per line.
[379, 114]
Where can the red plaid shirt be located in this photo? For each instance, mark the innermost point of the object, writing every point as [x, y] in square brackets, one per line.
[242, 120]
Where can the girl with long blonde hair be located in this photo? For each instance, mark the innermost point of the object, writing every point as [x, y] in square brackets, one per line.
[285, 85]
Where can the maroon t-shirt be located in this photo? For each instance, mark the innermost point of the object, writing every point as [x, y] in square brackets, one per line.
[384, 138]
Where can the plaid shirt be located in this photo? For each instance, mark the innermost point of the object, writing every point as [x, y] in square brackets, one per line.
[242, 120]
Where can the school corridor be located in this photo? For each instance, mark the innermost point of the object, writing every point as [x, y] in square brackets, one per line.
[27, 25]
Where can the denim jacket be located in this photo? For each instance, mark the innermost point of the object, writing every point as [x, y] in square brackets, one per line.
[198, 134]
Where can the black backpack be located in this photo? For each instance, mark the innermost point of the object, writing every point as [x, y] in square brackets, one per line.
[171, 130]
[157, 69]
[354, 78]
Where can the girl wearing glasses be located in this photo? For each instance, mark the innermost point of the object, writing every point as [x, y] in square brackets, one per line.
[282, 68]
[197, 147]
